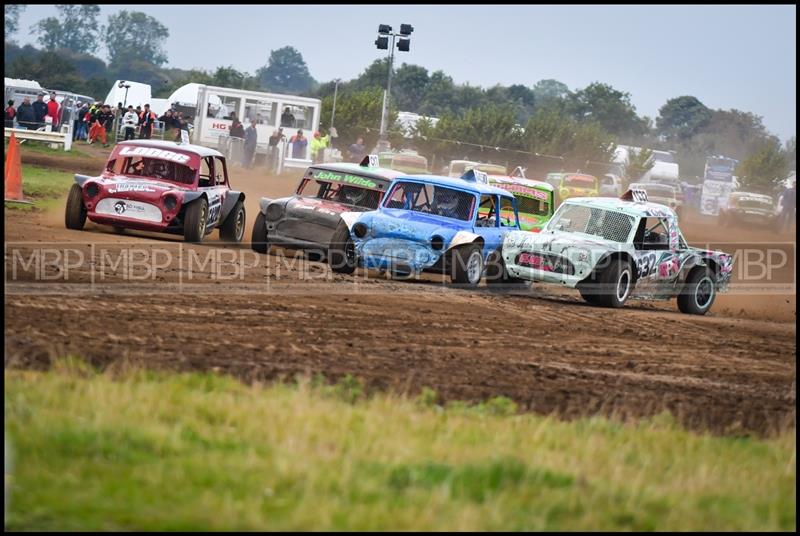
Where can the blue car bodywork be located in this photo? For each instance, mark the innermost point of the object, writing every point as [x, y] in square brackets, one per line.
[403, 240]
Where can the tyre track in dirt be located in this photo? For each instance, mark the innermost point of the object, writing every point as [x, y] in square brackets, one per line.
[728, 372]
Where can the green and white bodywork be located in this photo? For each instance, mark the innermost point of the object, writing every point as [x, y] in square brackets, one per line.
[535, 200]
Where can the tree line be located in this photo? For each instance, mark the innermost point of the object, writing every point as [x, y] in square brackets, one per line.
[547, 126]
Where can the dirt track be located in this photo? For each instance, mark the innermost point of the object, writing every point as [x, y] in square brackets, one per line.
[731, 371]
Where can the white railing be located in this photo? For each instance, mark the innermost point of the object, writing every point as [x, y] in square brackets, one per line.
[64, 138]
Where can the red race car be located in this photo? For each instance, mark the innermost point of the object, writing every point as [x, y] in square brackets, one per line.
[160, 186]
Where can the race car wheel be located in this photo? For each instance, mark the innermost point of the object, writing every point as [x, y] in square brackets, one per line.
[589, 296]
[615, 284]
[259, 240]
[233, 228]
[698, 292]
[497, 277]
[75, 215]
[467, 265]
[194, 224]
[342, 251]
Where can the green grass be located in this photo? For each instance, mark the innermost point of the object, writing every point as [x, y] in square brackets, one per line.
[149, 451]
[44, 186]
[44, 148]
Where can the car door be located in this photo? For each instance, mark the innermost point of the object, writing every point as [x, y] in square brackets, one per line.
[656, 259]
[212, 181]
[496, 216]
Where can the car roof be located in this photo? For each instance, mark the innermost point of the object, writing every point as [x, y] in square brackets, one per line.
[365, 171]
[458, 183]
[530, 183]
[640, 209]
[171, 145]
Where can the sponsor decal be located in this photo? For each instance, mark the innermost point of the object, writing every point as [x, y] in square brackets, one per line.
[350, 179]
[121, 207]
[546, 263]
[523, 191]
[152, 152]
[130, 187]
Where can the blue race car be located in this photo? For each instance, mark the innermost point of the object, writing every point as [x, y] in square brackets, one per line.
[428, 223]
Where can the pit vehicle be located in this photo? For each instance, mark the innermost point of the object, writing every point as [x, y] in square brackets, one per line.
[404, 161]
[613, 249]
[458, 168]
[428, 223]
[748, 208]
[535, 200]
[663, 194]
[308, 219]
[161, 186]
[577, 185]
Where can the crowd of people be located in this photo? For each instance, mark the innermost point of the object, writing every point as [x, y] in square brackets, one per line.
[92, 122]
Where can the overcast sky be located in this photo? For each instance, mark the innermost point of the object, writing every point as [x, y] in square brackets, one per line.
[727, 56]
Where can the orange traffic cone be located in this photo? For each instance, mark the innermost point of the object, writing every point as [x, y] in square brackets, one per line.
[13, 171]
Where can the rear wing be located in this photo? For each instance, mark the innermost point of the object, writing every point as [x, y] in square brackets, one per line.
[635, 194]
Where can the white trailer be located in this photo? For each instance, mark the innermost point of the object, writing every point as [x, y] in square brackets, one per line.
[216, 108]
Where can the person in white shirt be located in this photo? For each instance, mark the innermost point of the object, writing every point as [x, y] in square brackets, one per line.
[129, 121]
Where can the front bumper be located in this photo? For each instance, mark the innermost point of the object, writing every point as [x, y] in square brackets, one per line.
[397, 254]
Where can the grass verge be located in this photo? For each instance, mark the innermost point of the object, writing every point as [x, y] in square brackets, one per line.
[159, 451]
[44, 186]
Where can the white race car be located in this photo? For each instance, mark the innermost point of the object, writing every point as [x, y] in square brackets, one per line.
[611, 249]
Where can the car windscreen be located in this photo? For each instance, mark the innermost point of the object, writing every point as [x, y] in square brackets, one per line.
[580, 181]
[341, 193]
[607, 224]
[151, 169]
[431, 199]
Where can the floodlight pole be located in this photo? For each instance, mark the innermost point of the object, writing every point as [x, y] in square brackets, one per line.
[385, 111]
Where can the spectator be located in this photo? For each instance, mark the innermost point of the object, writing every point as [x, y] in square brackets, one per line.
[166, 118]
[102, 123]
[250, 141]
[287, 118]
[183, 124]
[788, 202]
[356, 150]
[120, 111]
[237, 129]
[26, 116]
[318, 144]
[146, 121]
[10, 114]
[299, 144]
[39, 110]
[129, 122]
[80, 124]
[52, 110]
[272, 150]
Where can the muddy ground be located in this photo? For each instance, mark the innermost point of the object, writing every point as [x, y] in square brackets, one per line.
[265, 317]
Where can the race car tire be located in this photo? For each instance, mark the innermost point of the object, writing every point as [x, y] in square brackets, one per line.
[615, 284]
[588, 296]
[75, 214]
[194, 224]
[466, 267]
[698, 292]
[342, 251]
[497, 278]
[233, 228]
[259, 240]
